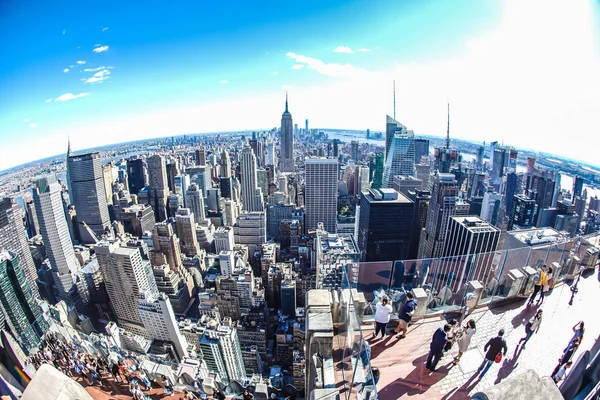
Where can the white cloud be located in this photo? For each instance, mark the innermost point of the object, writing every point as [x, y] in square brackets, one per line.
[100, 49]
[95, 79]
[224, 81]
[297, 66]
[81, 62]
[70, 96]
[48, 100]
[33, 125]
[364, 50]
[274, 73]
[26, 120]
[95, 69]
[338, 70]
[104, 29]
[66, 70]
[99, 76]
[343, 49]
[64, 31]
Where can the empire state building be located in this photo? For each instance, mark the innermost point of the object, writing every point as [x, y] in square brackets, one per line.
[286, 163]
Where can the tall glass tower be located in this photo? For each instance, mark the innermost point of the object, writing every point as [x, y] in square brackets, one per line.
[20, 313]
[88, 193]
[399, 152]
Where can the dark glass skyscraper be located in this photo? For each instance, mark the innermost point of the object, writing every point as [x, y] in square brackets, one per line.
[136, 178]
[88, 193]
[421, 149]
[13, 238]
[385, 225]
[20, 312]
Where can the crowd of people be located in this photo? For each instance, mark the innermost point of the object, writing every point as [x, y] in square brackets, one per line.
[496, 348]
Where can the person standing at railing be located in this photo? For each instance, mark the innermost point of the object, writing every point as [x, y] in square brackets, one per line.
[539, 280]
[383, 312]
[405, 315]
[549, 282]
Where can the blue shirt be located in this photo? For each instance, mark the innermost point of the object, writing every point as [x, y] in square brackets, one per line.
[406, 309]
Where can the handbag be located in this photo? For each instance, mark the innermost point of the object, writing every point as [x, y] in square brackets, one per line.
[528, 327]
[498, 357]
[448, 346]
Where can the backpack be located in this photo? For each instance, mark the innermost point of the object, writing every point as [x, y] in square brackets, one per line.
[537, 278]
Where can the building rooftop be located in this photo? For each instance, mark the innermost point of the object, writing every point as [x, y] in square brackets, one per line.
[535, 236]
[385, 196]
[475, 224]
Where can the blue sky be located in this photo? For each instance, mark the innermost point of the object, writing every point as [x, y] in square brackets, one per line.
[522, 73]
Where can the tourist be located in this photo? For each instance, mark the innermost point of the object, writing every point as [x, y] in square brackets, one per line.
[549, 282]
[539, 280]
[405, 315]
[115, 372]
[436, 348]
[562, 372]
[218, 395]
[247, 395]
[493, 348]
[383, 312]
[167, 385]
[464, 339]
[454, 327]
[533, 326]
[578, 331]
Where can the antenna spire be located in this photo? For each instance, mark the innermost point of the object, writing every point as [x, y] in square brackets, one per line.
[448, 130]
[394, 99]
[69, 146]
[286, 101]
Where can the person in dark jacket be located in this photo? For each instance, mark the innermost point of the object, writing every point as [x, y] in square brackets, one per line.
[493, 347]
[436, 348]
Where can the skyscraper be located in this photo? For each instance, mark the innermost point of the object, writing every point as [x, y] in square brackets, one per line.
[577, 186]
[88, 194]
[18, 310]
[470, 235]
[200, 157]
[14, 239]
[385, 225]
[252, 196]
[421, 149]
[126, 275]
[321, 193]
[523, 213]
[442, 206]
[399, 152]
[159, 189]
[186, 231]
[57, 240]
[159, 321]
[136, 177]
[376, 170]
[286, 163]
[195, 202]
[499, 159]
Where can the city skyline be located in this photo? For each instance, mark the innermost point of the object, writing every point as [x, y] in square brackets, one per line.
[155, 78]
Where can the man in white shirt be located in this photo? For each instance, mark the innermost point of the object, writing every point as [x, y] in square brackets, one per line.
[383, 312]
